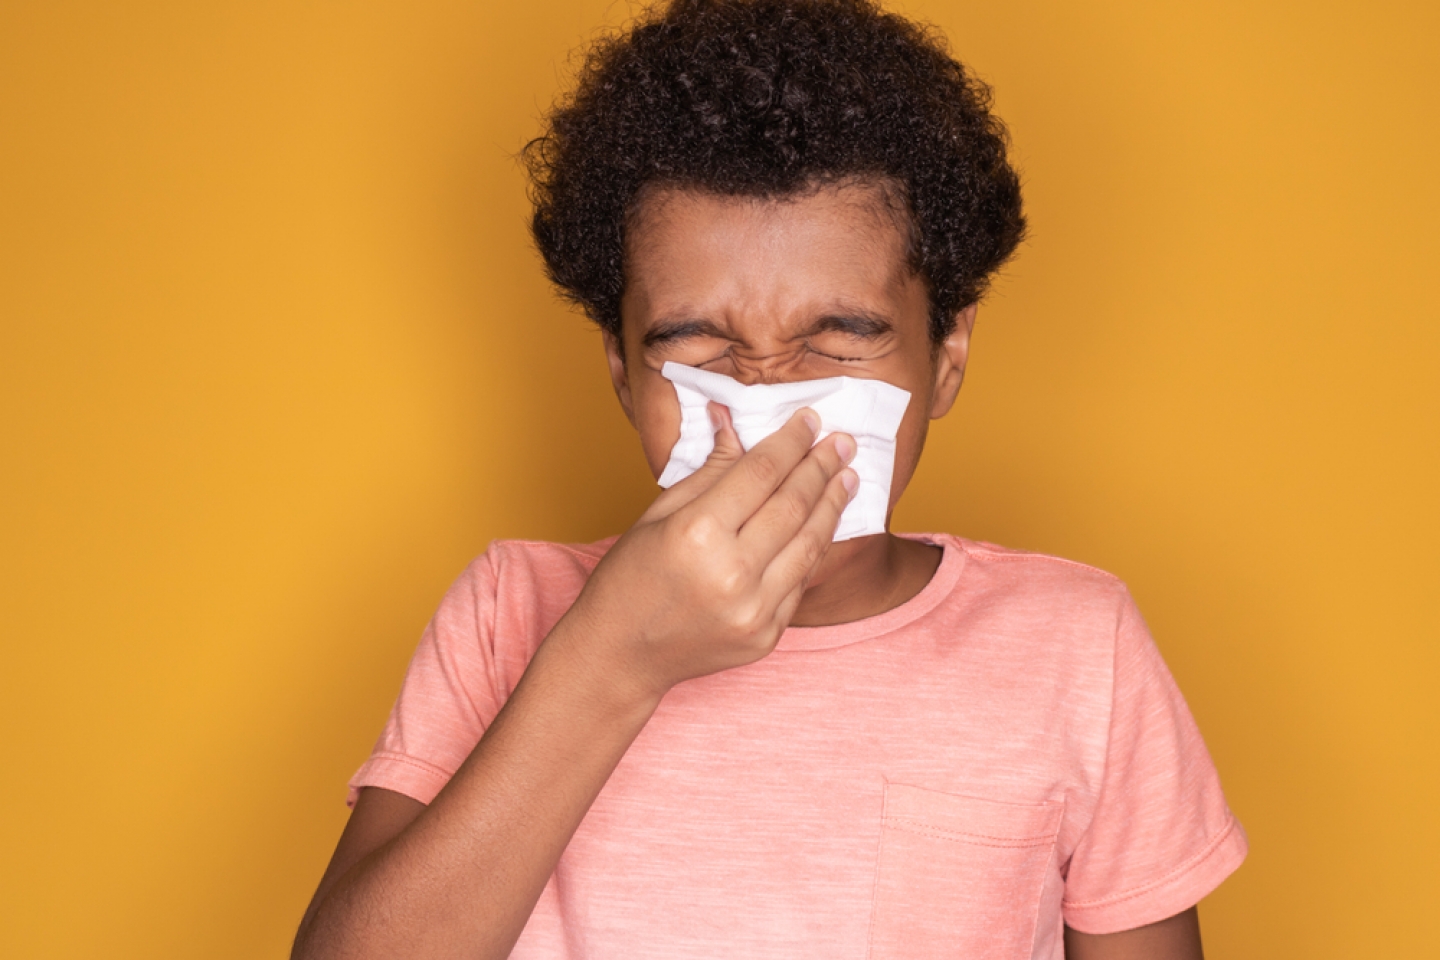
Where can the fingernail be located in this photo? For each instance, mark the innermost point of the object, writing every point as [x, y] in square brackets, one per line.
[851, 479]
[714, 416]
[811, 418]
[845, 446]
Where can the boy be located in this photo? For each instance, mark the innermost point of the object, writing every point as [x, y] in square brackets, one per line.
[721, 734]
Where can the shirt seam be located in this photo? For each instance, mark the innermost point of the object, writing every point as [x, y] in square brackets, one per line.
[935, 539]
[573, 549]
[487, 639]
[910, 823]
[1110, 717]
[1159, 882]
[924, 830]
[973, 547]
[403, 758]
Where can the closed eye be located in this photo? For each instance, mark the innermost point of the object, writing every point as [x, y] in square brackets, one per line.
[849, 337]
[835, 356]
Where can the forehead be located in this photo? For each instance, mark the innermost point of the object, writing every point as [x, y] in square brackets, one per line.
[729, 258]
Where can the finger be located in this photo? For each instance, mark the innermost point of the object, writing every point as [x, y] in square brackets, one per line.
[781, 577]
[798, 560]
[724, 454]
[727, 450]
[750, 481]
[780, 518]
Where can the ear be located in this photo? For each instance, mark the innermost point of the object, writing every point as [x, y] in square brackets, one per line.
[619, 378]
[950, 359]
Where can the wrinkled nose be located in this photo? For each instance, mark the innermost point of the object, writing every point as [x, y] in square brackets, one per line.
[781, 367]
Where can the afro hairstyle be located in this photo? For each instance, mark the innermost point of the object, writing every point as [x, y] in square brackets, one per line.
[770, 99]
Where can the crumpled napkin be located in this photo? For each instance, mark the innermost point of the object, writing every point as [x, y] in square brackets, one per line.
[868, 410]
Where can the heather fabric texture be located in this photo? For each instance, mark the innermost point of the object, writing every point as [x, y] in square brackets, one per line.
[960, 776]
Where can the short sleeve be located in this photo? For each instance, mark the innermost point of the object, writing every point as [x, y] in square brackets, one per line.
[448, 698]
[1161, 837]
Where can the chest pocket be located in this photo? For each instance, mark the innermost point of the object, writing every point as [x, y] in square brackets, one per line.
[959, 877]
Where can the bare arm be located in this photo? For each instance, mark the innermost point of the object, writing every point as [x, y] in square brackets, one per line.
[460, 877]
[707, 580]
[1177, 938]
[378, 818]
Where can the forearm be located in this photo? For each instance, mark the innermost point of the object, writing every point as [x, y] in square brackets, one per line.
[1177, 938]
[462, 880]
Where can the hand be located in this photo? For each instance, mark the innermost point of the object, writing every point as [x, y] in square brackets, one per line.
[711, 574]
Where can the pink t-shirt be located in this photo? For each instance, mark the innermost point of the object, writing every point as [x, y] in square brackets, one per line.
[958, 777]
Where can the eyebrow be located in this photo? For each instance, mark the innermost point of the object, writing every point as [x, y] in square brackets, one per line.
[858, 324]
[668, 331]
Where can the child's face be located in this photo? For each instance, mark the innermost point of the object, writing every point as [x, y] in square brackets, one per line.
[776, 291]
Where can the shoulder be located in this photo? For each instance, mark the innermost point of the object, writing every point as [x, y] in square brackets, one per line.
[532, 580]
[509, 597]
[1032, 620]
[541, 557]
[1032, 566]
[1036, 583]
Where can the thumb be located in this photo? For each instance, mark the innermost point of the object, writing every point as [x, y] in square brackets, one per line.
[727, 441]
[726, 452]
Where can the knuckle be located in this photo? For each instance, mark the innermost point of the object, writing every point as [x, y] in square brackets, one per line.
[765, 640]
[825, 458]
[764, 468]
[749, 618]
[829, 472]
[721, 456]
[729, 583]
[811, 550]
[697, 531]
[794, 509]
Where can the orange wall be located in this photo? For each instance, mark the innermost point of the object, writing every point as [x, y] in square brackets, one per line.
[276, 360]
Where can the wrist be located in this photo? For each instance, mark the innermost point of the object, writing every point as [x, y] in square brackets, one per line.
[588, 659]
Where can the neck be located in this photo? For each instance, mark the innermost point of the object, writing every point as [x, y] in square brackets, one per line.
[865, 577]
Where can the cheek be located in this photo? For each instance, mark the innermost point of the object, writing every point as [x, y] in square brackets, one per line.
[908, 443]
[657, 420]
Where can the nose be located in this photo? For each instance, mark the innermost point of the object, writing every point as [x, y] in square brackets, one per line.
[779, 367]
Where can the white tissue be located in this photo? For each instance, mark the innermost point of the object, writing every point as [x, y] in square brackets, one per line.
[868, 410]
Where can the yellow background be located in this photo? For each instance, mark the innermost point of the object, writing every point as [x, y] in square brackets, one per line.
[276, 360]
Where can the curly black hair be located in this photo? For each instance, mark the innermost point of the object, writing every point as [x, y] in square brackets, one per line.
[770, 99]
